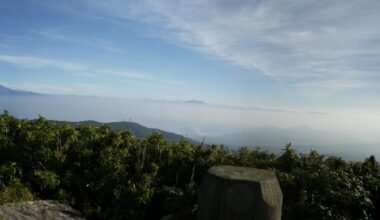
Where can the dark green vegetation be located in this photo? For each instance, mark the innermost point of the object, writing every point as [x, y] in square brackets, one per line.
[138, 130]
[109, 174]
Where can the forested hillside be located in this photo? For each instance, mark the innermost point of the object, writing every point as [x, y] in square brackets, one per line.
[110, 174]
[137, 129]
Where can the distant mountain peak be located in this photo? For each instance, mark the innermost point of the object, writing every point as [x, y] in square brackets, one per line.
[11, 92]
[193, 101]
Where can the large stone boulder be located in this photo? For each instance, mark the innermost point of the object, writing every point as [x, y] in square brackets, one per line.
[230, 193]
[38, 210]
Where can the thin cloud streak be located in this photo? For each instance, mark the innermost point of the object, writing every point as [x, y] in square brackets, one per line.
[322, 89]
[31, 62]
[37, 62]
[89, 41]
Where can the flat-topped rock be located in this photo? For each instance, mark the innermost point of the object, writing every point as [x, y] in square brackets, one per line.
[241, 173]
[230, 192]
[39, 210]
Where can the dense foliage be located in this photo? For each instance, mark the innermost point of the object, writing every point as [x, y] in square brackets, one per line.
[108, 174]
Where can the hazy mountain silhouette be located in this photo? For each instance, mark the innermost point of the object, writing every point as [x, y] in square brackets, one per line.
[217, 124]
[137, 129]
[10, 92]
[198, 102]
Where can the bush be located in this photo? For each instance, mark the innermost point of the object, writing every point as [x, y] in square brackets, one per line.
[107, 174]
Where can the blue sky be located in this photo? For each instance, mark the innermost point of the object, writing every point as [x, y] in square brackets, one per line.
[307, 55]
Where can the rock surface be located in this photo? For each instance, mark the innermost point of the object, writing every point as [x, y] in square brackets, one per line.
[230, 192]
[41, 210]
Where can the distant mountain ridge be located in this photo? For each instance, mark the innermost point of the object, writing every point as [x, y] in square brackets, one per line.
[7, 91]
[137, 129]
[186, 118]
[198, 102]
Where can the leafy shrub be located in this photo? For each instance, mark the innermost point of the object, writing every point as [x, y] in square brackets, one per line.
[11, 188]
[108, 174]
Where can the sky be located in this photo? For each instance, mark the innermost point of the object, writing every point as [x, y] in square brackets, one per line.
[307, 55]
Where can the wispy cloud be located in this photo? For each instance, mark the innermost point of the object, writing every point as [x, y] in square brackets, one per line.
[14, 37]
[294, 41]
[37, 62]
[325, 88]
[94, 42]
[32, 62]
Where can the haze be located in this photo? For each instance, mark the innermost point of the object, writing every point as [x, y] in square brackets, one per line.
[306, 65]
